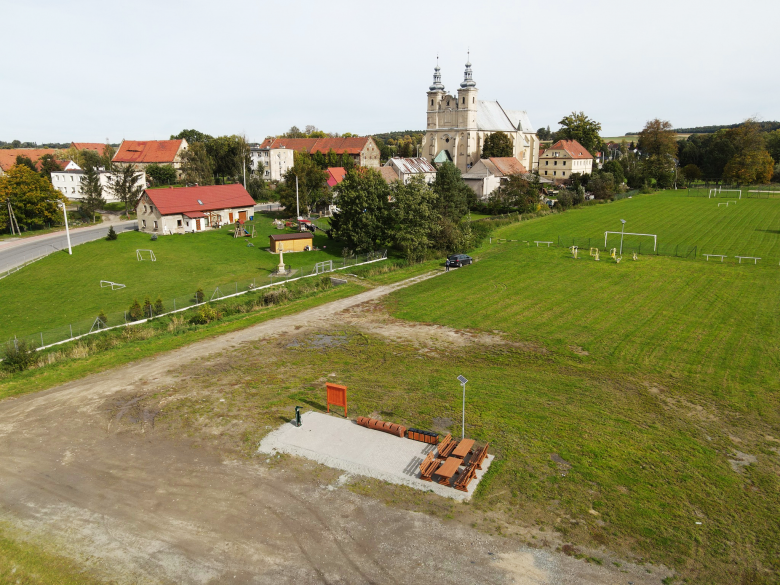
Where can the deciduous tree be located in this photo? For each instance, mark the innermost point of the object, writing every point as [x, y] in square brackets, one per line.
[498, 144]
[196, 165]
[658, 142]
[577, 126]
[32, 197]
[161, 174]
[453, 196]
[361, 221]
[751, 162]
[414, 219]
[48, 166]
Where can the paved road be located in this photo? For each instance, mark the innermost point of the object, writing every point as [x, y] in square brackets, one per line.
[16, 251]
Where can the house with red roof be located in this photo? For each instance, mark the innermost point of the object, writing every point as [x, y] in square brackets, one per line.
[142, 153]
[272, 151]
[335, 175]
[8, 156]
[488, 173]
[94, 146]
[564, 158]
[179, 210]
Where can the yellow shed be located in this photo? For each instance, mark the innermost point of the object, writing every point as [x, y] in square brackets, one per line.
[290, 242]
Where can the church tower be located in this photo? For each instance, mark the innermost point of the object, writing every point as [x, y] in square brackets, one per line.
[467, 121]
[435, 93]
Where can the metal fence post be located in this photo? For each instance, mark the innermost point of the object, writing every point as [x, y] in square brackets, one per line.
[71, 330]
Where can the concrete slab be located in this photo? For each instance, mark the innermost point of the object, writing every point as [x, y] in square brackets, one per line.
[343, 444]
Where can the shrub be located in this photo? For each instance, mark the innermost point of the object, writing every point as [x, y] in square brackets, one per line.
[205, 314]
[565, 198]
[199, 296]
[103, 318]
[19, 356]
[159, 307]
[136, 313]
[111, 234]
[147, 307]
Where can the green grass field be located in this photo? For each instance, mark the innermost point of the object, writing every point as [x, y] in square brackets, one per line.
[749, 228]
[62, 289]
[647, 376]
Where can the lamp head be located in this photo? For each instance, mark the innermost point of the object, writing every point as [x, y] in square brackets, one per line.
[622, 221]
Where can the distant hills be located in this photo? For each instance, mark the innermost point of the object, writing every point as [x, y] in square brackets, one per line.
[765, 126]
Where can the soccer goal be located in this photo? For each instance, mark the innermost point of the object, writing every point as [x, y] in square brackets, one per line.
[145, 255]
[654, 236]
[716, 192]
[113, 285]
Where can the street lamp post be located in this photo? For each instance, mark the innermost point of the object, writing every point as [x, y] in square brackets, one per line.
[463, 381]
[67, 231]
[622, 229]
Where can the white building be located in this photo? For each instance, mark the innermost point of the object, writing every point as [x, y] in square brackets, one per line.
[487, 175]
[564, 158]
[457, 126]
[406, 168]
[69, 182]
[276, 161]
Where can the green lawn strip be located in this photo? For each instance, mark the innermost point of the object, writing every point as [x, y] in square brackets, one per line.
[23, 563]
[48, 376]
[61, 290]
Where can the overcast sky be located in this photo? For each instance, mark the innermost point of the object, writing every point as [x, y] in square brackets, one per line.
[87, 71]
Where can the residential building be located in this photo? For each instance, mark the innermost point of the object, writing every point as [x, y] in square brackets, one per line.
[335, 175]
[142, 153]
[179, 210]
[276, 161]
[389, 174]
[362, 149]
[564, 158]
[8, 156]
[69, 181]
[487, 175]
[406, 168]
[457, 126]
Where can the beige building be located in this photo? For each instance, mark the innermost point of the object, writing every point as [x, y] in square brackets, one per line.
[563, 158]
[457, 126]
[404, 169]
[362, 149]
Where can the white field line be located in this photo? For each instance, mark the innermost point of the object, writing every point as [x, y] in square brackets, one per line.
[199, 304]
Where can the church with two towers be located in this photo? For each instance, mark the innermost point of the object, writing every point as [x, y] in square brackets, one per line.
[458, 125]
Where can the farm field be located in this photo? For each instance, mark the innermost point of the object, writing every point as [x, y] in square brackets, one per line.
[60, 289]
[749, 228]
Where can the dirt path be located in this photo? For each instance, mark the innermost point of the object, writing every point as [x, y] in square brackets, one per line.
[144, 508]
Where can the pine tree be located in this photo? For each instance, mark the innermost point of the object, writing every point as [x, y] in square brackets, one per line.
[111, 234]
[92, 192]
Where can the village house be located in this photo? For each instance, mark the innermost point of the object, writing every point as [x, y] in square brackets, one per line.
[192, 209]
[487, 175]
[276, 161]
[403, 169]
[8, 156]
[335, 175]
[272, 151]
[69, 180]
[564, 158]
[143, 153]
[457, 126]
[93, 146]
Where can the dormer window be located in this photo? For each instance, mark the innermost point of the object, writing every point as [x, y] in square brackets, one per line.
[200, 202]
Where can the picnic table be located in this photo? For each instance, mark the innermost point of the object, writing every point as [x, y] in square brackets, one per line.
[448, 469]
[463, 448]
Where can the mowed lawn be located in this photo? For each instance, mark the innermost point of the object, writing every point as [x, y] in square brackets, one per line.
[60, 289]
[657, 380]
[749, 228]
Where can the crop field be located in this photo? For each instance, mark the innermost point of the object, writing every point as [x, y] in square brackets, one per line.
[60, 289]
[751, 227]
[656, 380]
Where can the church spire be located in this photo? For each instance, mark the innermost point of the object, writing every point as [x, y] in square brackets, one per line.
[467, 80]
[437, 84]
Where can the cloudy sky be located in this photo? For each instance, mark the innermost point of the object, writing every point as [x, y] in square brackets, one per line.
[87, 71]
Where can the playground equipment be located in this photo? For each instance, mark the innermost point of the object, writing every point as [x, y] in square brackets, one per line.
[241, 231]
[574, 252]
[139, 255]
[618, 259]
[113, 285]
[613, 253]
[596, 255]
[635, 256]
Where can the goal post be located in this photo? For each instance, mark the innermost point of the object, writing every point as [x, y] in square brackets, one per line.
[139, 255]
[654, 236]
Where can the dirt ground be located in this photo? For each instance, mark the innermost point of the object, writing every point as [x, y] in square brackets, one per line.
[144, 507]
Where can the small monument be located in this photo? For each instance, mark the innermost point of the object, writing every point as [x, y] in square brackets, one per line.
[280, 269]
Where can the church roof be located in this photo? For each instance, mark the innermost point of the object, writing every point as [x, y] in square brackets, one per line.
[491, 117]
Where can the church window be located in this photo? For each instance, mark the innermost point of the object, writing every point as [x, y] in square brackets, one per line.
[555, 163]
[564, 173]
[473, 100]
[545, 172]
[547, 162]
[448, 102]
[463, 100]
[431, 102]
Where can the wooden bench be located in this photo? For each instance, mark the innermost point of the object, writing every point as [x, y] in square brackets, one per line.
[463, 481]
[428, 467]
[446, 447]
[480, 458]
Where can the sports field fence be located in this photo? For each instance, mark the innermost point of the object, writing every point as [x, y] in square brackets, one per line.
[722, 190]
[187, 300]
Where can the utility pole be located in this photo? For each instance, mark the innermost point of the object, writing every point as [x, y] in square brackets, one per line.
[297, 204]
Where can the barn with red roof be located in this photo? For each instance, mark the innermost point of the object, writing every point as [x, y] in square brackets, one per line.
[143, 153]
[179, 210]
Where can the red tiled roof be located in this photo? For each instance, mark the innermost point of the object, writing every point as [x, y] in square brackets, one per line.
[212, 197]
[8, 155]
[194, 214]
[509, 165]
[96, 146]
[573, 148]
[353, 145]
[147, 151]
[335, 175]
